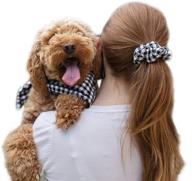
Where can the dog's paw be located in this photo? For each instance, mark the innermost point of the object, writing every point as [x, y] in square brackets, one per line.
[68, 110]
[64, 123]
[66, 118]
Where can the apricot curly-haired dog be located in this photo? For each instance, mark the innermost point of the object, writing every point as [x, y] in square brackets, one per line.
[66, 52]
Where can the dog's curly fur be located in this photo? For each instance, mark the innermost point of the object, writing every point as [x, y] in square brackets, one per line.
[21, 156]
[46, 62]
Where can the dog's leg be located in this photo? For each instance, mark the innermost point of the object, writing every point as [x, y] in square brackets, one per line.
[35, 105]
[68, 110]
[21, 155]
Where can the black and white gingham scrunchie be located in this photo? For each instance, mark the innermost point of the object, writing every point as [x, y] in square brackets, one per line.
[86, 91]
[150, 52]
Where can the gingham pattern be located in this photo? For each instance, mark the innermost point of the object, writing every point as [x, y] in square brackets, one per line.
[86, 91]
[150, 52]
[22, 94]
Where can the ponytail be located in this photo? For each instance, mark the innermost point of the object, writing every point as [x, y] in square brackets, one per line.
[151, 123]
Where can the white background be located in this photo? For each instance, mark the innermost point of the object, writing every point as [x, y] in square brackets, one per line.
[20, 20]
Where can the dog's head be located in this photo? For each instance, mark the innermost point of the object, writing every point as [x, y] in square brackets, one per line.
[66, 51]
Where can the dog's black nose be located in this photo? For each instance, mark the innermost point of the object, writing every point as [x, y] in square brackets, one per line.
[69, 48]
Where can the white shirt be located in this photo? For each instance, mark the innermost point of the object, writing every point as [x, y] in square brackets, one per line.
[88, 151]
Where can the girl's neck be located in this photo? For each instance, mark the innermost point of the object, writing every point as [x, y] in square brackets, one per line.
[113, 91]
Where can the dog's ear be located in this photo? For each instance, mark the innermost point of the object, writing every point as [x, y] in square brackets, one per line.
[97, 62]
[36, 71]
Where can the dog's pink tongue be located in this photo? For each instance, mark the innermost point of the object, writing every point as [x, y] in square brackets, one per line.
[72, 75]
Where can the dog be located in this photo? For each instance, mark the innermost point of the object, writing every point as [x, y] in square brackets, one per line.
[65, 52]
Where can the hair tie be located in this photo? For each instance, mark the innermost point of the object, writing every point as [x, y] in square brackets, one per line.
[150, 52]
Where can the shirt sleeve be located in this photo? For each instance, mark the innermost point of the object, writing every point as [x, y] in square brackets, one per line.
[42, 135]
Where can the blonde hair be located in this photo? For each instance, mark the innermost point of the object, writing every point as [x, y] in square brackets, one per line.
[151, 89]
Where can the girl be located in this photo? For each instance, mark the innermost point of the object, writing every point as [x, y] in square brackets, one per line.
[132, 40]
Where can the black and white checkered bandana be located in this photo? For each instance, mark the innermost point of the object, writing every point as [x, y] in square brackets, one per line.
[150, 52]
[86, 91]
